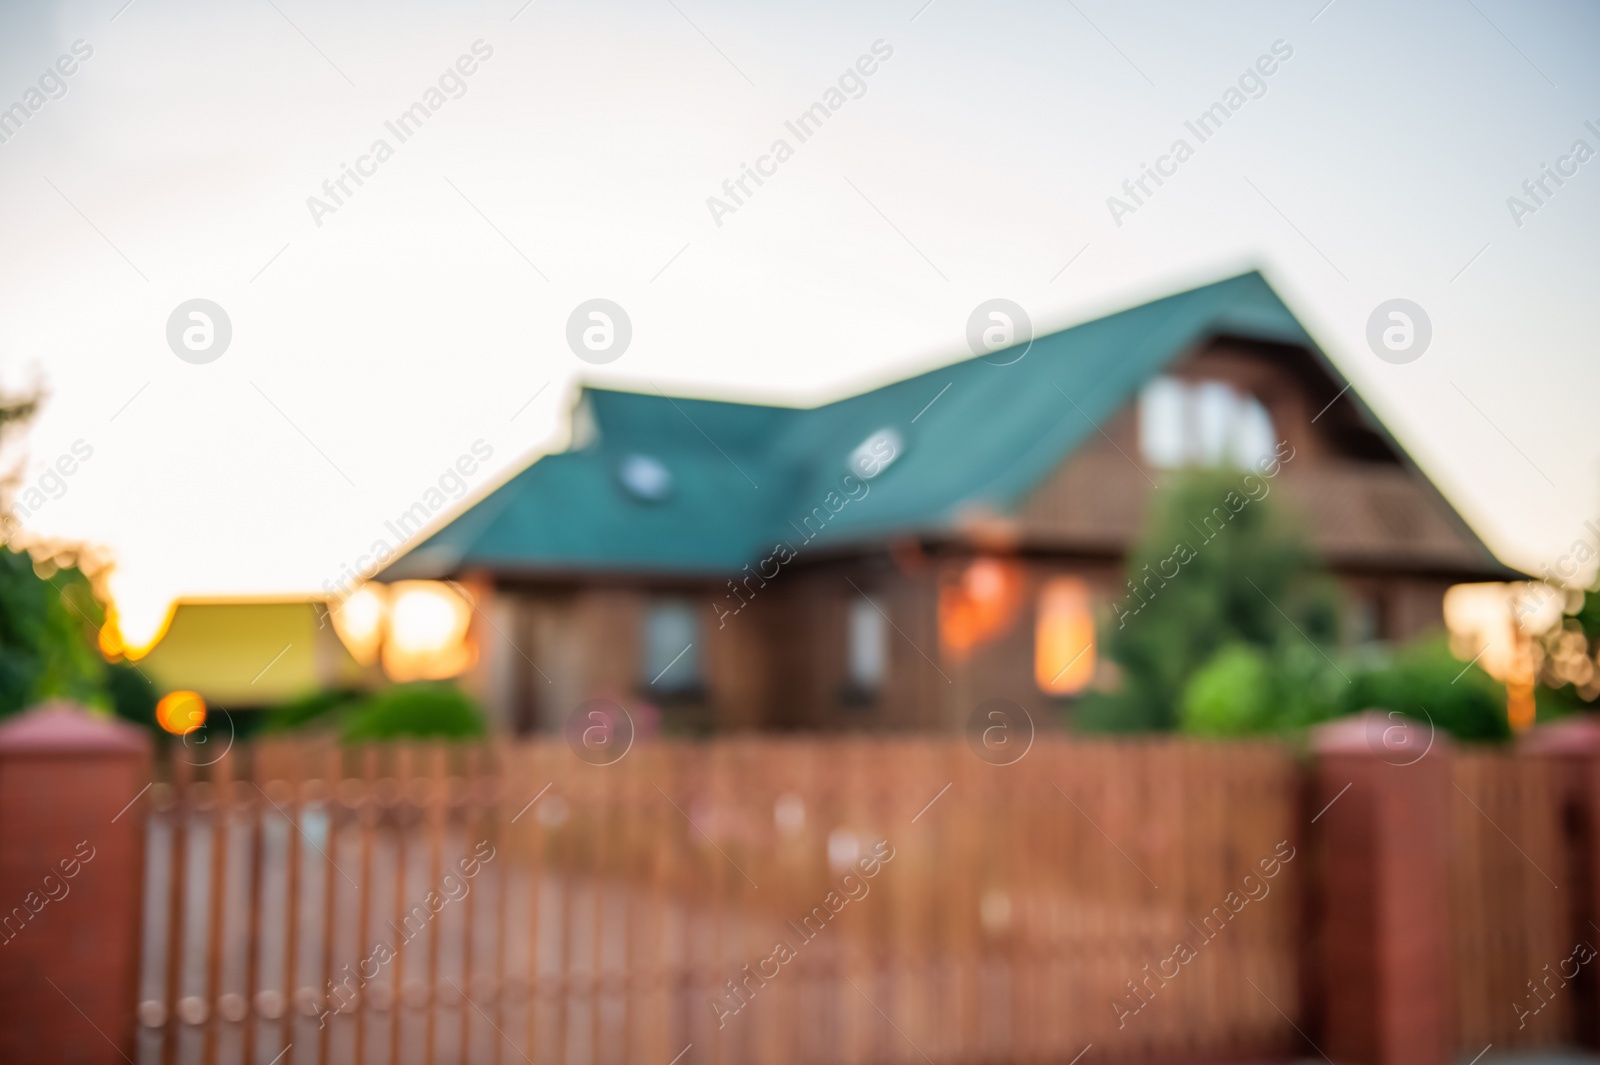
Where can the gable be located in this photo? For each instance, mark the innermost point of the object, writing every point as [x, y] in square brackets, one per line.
[1361, 500]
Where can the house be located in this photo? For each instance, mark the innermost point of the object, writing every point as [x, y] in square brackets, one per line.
[249, 654]
[896, 558]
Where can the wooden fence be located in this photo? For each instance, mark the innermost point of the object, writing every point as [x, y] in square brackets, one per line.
[1520, 903]
[509, 903]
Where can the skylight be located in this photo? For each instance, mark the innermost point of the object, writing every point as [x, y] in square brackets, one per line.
[645, 477]
[876, 453]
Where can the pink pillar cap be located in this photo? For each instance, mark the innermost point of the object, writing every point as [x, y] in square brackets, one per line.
[62, 727]
[1388, 735]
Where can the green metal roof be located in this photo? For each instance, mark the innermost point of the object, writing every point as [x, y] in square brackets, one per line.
[744, 475]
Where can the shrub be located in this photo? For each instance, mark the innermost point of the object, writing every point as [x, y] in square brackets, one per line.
[1231, 695]
[1421, 681]
[314, 709]
[1244, 689]
[422, 710]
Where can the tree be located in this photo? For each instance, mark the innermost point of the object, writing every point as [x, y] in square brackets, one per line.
[47, 625]
[1218, 566]
[50, 619]
[1228, 628]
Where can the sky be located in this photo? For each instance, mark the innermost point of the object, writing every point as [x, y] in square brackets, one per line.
[379, 335]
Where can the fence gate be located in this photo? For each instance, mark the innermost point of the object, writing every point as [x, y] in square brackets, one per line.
[826, 901]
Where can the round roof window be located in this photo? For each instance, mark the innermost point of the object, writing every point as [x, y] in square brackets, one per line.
[645, 477]
[876, 453]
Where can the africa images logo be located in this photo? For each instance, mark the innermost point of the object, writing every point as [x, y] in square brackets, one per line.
[199, 331]
[1399, 331]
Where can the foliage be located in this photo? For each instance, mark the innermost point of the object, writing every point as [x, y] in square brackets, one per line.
[1424, 680]
[415, 711]
[1568, 658]
[49, 618]
[1231, 695]
[1553, 704]
[1228, 628]
[15, 411]
[133, 697]
[48, 626]
[1244, 690]
[324, 707]
[1218, 565]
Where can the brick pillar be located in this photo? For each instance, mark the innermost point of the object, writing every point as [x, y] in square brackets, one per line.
[71, 861]
[1572, 747]
[1382, 858]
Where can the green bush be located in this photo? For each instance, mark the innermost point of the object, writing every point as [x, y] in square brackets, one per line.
[47, 636]
[1421, 681]
[422, 710]
[1244, 690]
[314, 709]
[1232, 695]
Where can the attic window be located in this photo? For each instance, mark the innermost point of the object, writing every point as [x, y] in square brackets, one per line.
[645, 478]
[1202, 423]
[876, 453]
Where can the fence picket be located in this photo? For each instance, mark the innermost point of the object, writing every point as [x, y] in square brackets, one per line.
[1019, 906]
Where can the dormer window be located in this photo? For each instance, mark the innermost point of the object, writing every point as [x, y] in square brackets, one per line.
[1202, 423]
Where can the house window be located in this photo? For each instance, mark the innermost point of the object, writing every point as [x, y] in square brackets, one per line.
[1363, 619]
[869, 648]
[1162, 418]
[1202, 423]
[671, 647]
[979, 603]
[1063, 637]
